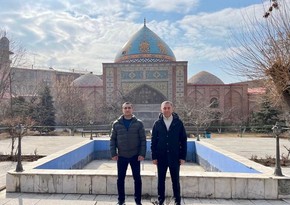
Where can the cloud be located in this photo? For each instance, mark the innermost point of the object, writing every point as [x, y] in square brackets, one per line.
[207, 34]
[72, 35]
[84, 34]
[214, 25]
[180, 6]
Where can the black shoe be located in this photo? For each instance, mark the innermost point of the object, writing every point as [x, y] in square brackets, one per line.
[121, 203]
[160, 202]
[177, 203]
[138, 202]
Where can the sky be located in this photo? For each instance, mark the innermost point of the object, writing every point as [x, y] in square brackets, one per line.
[81, 35]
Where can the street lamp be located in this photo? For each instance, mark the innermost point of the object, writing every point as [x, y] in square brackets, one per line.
[19, 131]
[198, 137]
[91, 124]
[277, 129]
[241, 130]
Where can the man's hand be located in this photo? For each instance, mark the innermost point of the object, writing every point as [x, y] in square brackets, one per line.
[155, 161]
[140, 158]
[181, 161]
[115, 158]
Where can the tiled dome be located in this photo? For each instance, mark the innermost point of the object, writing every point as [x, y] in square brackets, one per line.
[204, 77]
[145, 46]
[88, 80]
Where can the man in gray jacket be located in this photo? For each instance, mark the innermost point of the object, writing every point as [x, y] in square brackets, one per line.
[128, 146]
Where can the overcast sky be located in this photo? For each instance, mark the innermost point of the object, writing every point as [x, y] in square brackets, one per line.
[81, 35]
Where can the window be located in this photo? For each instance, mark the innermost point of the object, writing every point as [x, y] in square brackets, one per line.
[214, 103]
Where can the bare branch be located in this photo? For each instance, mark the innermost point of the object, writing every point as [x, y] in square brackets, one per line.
[263, 52]
[12, 54]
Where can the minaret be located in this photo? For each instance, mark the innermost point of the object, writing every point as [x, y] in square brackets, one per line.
[5, 68]
[4, 52]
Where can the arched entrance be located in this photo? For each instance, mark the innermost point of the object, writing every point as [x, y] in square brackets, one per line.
[146, 101]
[145, 94]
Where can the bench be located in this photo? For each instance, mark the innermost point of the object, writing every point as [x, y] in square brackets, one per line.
[96, 130]
[191, 130]
[103, 130]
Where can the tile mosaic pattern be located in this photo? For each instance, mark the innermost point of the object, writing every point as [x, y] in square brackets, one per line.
[145, 46]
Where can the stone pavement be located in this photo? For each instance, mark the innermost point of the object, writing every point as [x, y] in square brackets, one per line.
[45, 145]
[70, 199]
[249, 146]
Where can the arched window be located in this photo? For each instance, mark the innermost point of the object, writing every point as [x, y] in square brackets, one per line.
[214, 103]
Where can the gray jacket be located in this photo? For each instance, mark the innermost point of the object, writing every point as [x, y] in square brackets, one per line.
[128, 143]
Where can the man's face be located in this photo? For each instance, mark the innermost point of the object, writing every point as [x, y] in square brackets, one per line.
[127, 110]
[166, 109]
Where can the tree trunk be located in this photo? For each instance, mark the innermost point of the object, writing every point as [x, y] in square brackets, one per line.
[286, 100]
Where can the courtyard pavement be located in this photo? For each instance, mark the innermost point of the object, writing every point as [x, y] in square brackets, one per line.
[45, 145]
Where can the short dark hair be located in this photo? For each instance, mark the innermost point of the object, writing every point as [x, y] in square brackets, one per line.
[127, 103]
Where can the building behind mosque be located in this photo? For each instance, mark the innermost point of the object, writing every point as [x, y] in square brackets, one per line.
[146, 73]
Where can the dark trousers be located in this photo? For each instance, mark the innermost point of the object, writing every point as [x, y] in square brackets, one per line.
[122, 166]
[162, 167]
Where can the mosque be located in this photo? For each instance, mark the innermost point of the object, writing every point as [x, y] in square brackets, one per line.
[146, 72]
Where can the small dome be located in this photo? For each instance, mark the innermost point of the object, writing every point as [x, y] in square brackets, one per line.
[145, 46]
[204, 77]
[88, 80]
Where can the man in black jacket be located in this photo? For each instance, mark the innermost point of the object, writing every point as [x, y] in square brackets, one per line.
[128, 146]
[169, 147]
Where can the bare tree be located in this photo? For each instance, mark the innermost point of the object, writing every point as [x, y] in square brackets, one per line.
[95, 105]
[263, 52]
[69, 103]
[274, 5]
[11, 123]
[111, 112]
[12, 54]
[196, 113]
[227, 117]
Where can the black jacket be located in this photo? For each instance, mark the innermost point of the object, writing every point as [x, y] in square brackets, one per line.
[171, 144]
[128, 143]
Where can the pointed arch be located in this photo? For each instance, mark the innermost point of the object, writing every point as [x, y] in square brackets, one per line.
[145, 94]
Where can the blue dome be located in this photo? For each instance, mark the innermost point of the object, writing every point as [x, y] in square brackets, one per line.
[145, 46]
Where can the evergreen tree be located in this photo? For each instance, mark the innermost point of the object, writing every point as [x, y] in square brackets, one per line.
[44, 112]
[20, 107]
[265, 118]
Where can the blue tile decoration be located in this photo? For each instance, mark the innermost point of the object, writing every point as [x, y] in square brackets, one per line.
[145, 46]
[162, 74]
[131, 75]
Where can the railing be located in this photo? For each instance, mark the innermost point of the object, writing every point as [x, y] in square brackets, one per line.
[190, 130]
[96, 130]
